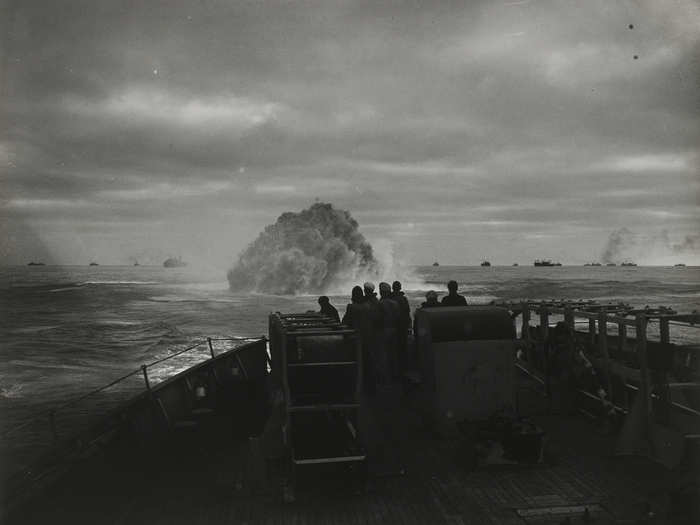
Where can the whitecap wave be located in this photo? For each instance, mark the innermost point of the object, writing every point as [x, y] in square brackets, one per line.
[117, 282]
[12, 391]
[33, 329]
[117, 322]
[66, 288]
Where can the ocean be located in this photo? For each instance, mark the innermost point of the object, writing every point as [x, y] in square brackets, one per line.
[65, 330]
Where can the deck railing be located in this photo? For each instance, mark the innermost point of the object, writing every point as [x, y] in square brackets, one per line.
[48, 419]
[611, 354]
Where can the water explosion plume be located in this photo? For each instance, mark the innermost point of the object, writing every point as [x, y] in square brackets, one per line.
[305, 252]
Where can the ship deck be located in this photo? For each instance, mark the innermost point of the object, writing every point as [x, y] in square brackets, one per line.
[203, 476]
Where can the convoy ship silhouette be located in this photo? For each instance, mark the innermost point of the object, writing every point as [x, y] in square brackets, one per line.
[546, 262]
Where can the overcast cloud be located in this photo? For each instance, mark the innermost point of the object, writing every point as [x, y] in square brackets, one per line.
[455, 130]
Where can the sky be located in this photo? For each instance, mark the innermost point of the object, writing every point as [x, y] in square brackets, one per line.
[452, 131]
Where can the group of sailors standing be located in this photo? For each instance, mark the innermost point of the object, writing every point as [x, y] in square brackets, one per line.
[383, 324]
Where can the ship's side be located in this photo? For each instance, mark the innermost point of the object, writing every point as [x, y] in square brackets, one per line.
[209, 444]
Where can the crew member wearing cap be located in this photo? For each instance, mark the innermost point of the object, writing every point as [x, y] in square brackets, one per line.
[431, 301]
[404, 323]
[390, 325]
[377, 323]
[357, 316]
[327, 308]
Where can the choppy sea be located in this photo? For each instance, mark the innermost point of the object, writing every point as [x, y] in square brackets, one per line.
[65, 330]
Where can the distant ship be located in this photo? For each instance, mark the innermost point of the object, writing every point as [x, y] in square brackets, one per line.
[515, 264]
[628, 263]
[436, 263]
[611, 264]
[93, 264]
[174, 262]
[546, 262]
[485, 263]
[679, 265]
[137, 263]
[32, 263]
[592, 264]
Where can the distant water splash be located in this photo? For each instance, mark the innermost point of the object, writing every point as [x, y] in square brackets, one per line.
[393, 268]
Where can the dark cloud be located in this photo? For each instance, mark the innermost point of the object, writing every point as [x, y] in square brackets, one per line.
[500, 117]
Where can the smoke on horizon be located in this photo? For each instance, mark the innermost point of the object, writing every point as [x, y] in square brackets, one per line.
[620, 242]
[624, 244]
[311, 251]
[688, 244]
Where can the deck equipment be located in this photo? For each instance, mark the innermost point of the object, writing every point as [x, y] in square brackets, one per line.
[466, 362]
[317, 363]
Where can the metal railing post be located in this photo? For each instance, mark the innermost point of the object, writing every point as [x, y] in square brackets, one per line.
[621, 337]
[144, 369]
[571, 325]
[603, 347]
[544, 327]
[525, 329]
[211, 347]
[644, 390]
[664, 331]
[544, 322]
[661, 376]
[591, 334]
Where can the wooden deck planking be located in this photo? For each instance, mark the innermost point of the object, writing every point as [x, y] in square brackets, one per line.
[198, 483]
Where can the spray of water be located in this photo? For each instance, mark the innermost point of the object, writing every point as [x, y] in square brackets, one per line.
[313, 251]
